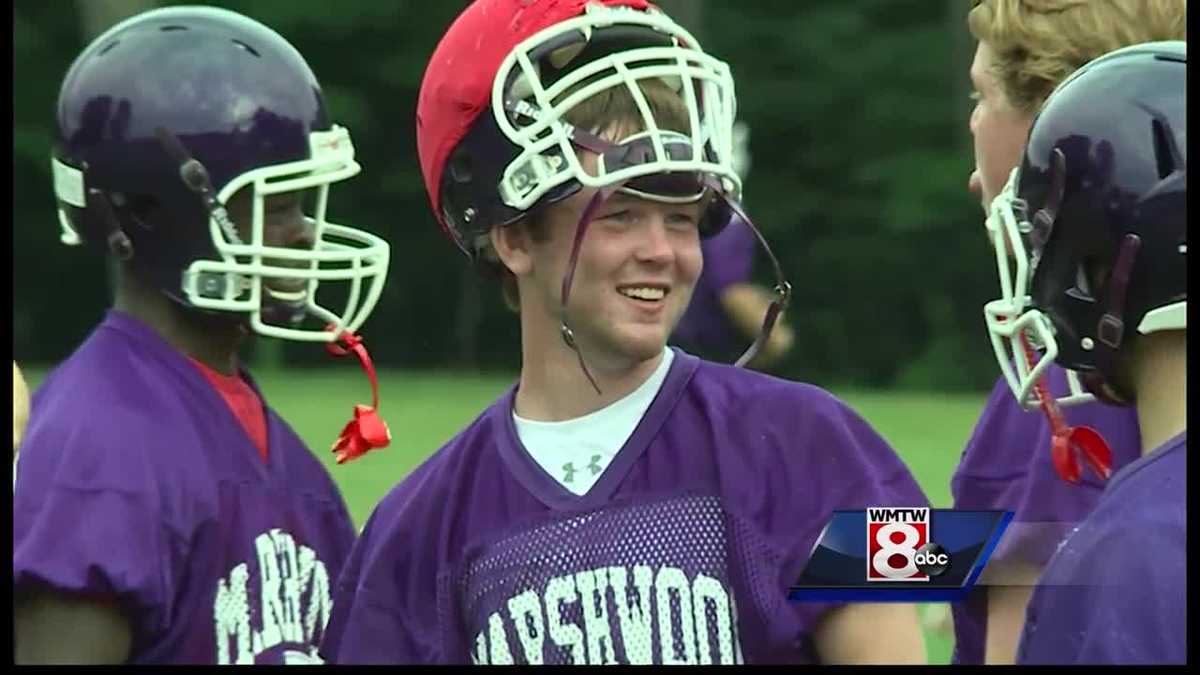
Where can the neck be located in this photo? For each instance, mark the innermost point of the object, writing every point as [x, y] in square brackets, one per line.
[554, 388]
[209, 340]
[1160, 380]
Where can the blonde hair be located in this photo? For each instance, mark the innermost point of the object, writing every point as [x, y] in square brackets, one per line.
[20, 407]
[611, 113]
[1038, 43]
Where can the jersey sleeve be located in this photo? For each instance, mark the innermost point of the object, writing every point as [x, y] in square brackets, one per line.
[830, 459]
[385, 608]
[85, 519]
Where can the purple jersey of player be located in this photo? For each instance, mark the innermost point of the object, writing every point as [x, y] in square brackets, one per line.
[682, 552]
[1006, 465]
[704, 326]
[1116, 591]
[137, 482]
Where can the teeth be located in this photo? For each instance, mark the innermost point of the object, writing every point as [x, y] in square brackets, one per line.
[643, 293]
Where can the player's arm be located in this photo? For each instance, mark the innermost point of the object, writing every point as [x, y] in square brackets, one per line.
[867, 633]
[746, 304]
[58, 628]
[1006, 609]
[20, 407]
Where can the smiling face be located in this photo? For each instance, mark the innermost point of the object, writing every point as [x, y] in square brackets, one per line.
[637, 268]
[285, 225]
[999, 130]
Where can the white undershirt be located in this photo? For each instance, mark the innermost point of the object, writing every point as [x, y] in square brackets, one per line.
[576, 452]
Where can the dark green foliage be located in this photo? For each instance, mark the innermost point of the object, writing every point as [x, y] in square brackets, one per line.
[860, 153]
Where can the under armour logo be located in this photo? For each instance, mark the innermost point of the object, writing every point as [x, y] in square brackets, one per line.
[569, 469]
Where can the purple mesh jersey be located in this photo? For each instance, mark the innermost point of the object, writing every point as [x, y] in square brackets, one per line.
[1006, 465]
[683, 551]
[704, 327]
[1116, 591]
[136, 481]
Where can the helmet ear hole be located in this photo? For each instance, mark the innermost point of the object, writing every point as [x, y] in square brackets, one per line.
[459, 167]
[142, 210]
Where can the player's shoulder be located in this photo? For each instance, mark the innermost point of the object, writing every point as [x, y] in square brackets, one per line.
[108, 413]
[449, 471]
[103, 392]
[741, 389]
[777, 422]
[84, 399]
[1152, 488]
[1146, 501]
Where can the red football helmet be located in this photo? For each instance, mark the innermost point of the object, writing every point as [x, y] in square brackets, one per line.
[490, 117]
[494, 139]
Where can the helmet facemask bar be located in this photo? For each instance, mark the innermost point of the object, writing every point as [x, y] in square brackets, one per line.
[238, 282]
[531, 115]
[1023, 338]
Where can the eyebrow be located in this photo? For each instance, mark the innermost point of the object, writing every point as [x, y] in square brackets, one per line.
[621, 200]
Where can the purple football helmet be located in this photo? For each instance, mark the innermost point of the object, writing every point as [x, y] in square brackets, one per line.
[167, 115]
[1096, 215]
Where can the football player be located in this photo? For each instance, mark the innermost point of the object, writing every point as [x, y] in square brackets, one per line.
[1024, 50]
[163, 513]
[1097, 211]
[623, 502]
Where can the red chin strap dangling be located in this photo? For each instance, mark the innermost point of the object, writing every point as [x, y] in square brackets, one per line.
[367, 430]
[1068, 442]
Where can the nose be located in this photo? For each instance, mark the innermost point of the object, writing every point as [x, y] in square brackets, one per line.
[295, 230]
[656, 242]
[975, 183]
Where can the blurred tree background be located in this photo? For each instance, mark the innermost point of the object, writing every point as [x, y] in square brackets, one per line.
[858, 112]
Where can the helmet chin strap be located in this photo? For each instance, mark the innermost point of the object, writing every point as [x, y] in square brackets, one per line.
[1110, 329]
[783, 289]
[585, 218]
[1068, 442]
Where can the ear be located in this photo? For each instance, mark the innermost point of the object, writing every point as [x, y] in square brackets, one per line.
[512, 245]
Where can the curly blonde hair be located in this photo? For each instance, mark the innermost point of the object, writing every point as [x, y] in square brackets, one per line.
[1037, 43]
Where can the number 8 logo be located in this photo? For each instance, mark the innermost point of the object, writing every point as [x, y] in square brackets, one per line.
[881, 561]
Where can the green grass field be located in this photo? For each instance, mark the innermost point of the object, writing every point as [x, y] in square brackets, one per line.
[425, 409]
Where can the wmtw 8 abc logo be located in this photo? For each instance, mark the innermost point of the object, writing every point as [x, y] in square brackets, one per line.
[899, 546]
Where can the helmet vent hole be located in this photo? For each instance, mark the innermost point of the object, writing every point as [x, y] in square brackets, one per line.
[167, 29]
[1164, 154]
[245, 46]
[1174, 58]
[109, 47]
